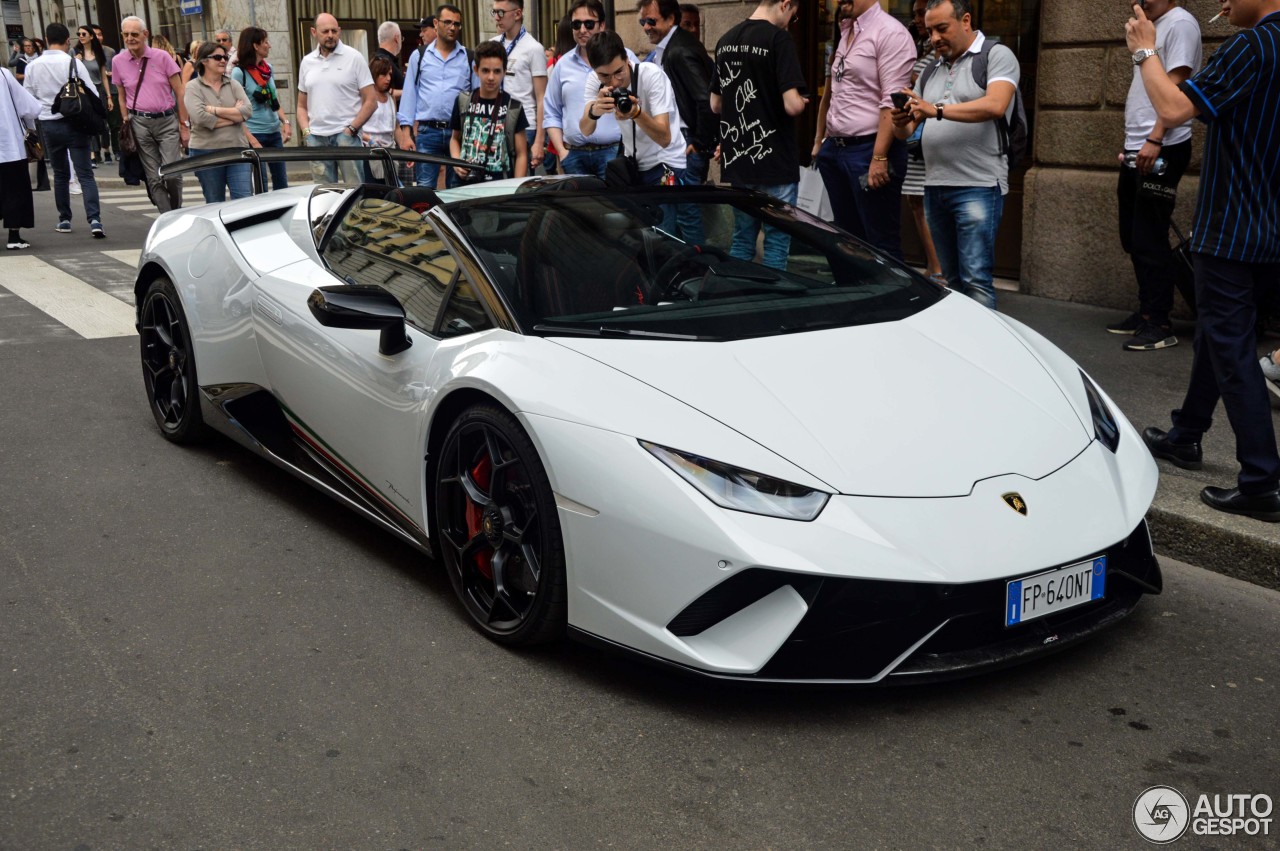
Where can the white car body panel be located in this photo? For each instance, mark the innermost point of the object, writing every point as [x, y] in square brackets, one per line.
[806, 396]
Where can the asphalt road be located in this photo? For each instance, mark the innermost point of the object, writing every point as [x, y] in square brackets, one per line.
[200, 652]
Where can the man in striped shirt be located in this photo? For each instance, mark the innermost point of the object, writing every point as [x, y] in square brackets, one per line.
[1236, 242]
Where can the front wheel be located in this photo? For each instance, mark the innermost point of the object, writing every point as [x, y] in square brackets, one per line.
[169, 366]
[498, 530]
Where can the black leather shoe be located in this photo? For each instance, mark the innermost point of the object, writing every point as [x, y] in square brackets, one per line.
[1259, 506]
[1185, 455]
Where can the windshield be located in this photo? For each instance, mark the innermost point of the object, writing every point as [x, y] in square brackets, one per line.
[591, 263]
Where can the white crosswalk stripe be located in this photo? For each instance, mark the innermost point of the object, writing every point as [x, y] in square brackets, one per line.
[83, 308]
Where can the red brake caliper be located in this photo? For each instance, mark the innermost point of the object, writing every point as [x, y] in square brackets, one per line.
[480, 474]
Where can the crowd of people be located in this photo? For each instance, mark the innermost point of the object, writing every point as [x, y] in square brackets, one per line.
[934, 115]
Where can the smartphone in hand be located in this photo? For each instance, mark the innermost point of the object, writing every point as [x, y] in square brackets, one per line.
[900, 100]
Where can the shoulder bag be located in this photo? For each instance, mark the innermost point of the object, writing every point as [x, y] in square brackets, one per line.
[30, 139]
[75, 103]
[128, 141]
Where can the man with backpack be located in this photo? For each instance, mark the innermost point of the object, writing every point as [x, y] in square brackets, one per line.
[974, 130]
[488, 125]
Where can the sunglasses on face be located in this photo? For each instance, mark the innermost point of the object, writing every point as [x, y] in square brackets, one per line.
[590, 25]
[457, 24]
[648, 22]
[218, 57]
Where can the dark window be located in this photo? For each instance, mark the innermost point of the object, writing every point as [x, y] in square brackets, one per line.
[605, 264]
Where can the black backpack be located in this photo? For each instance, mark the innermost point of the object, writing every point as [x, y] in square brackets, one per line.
[1012, 132]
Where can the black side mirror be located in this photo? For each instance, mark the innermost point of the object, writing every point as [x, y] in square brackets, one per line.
[362, 306]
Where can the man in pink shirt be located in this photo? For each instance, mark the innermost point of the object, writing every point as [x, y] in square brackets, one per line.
[151, 101]
[861, 162]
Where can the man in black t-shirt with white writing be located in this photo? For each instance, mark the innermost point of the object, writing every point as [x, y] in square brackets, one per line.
[488, 124]
[758, 90]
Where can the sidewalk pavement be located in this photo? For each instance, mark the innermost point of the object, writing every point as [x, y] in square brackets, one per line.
[1147, 386]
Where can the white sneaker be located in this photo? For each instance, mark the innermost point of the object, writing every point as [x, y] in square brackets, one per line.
[1271, 371]
[74, 187]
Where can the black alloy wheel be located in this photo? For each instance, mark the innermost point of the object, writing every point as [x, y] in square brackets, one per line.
[168, 365]
[498, 531]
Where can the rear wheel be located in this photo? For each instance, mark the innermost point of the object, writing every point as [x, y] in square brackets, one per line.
[498, 531]
[169, 366]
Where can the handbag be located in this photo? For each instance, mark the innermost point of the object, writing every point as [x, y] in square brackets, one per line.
[30, 139]
[624, 171]
[75, 103]
[811, 195]
[35, 150]
[128, 141]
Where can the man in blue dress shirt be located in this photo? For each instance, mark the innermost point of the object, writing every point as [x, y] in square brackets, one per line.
[437, 73]
[566, 96]
[1235, 243]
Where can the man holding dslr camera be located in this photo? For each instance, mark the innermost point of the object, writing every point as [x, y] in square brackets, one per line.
[642, 101]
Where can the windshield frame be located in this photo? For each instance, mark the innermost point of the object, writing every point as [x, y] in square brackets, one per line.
[660, 195]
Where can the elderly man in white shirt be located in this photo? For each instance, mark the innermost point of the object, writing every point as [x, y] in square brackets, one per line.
[335, 98]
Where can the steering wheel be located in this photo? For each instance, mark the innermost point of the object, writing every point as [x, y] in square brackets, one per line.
[668, 278]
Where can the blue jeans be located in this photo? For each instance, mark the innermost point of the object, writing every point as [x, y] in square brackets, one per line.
[588, 162]
[433, 141]
[653, 177]
[777, 245]
[963, 221]
[326, 171]
[214, 181]
[689, 216]
[61, 138]
[279, 176]
[873, 215]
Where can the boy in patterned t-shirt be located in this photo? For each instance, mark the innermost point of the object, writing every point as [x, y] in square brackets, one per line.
[488, 124]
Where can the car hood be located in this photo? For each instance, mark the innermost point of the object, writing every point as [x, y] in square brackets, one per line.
[922, 407]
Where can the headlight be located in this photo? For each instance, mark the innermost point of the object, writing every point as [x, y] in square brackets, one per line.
[1105, 427]
[742, 490]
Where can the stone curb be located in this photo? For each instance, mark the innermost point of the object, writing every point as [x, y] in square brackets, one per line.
[1184, 528]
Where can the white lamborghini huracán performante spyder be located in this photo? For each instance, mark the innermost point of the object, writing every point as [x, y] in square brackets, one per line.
[835, 471]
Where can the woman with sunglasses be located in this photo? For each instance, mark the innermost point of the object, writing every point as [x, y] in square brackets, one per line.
[565, 99]
[218, 106]
[95, 59]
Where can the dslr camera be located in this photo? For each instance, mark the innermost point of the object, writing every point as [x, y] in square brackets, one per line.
[623, 99]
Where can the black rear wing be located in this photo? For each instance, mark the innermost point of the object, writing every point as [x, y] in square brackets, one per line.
[259, 156]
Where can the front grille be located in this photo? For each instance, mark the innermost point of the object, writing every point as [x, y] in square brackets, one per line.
[856, 628]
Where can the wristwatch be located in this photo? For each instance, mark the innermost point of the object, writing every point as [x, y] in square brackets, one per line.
[939, 106]
[1140, 56]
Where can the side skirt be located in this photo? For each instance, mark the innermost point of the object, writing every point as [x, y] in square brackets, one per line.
[251, 416]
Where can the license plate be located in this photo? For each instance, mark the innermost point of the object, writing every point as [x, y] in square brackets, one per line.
[1055, 590]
